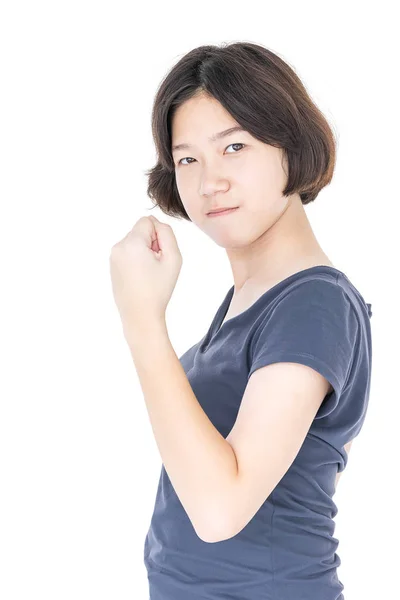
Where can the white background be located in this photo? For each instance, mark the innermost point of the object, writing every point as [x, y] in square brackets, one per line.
[78, 462]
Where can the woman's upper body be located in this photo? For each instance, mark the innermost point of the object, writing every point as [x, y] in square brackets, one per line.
[236, 128]
[314, 317]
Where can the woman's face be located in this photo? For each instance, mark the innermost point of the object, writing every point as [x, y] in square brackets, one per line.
[237, 170]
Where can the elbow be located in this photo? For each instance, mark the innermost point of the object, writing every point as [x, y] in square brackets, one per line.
[215, 529]
[212, 536]
[209, 525]
[208, 532]
[218, 520]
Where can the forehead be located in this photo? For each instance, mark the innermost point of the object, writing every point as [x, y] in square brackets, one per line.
[190, 117]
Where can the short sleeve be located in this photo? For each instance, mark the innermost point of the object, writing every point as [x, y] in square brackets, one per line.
[314, 324]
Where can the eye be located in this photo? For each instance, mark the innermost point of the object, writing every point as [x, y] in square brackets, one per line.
[234, 144]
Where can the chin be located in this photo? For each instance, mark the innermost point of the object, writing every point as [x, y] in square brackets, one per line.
[229, 241]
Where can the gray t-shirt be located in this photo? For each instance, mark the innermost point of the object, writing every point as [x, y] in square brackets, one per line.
[287, 551]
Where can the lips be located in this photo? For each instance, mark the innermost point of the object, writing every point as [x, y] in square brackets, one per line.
[222, 211]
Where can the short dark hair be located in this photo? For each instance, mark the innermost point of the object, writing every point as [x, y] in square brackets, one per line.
[265, 96]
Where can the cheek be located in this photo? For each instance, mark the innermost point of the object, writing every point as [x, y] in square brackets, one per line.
[192, 205]
[183, 177]
[186, 189]
[252, 180]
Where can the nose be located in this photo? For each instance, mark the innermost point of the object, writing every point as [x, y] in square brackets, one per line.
[212, 183]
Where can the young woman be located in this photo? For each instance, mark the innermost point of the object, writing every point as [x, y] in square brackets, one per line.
[283, 372]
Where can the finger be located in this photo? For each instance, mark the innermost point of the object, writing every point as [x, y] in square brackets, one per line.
[147, 226]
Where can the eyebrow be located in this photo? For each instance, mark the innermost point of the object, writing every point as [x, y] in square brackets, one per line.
[213, 138]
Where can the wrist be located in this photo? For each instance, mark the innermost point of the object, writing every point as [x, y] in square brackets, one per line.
[146, 332]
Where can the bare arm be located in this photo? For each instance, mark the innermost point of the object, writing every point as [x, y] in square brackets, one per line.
[199, 461]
